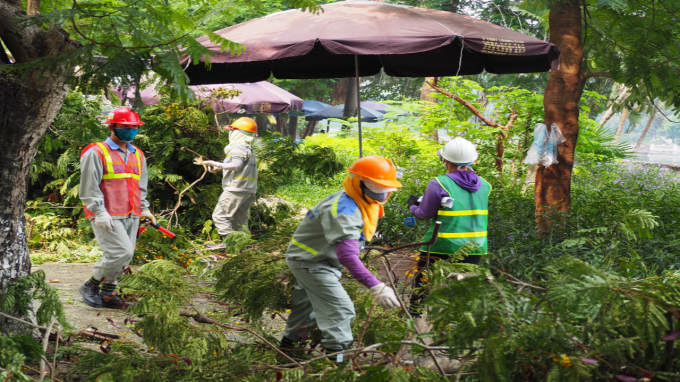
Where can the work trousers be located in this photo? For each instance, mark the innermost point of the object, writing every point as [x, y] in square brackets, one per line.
[319, 299]
[118, 246]
[419, 294]
[232, 212]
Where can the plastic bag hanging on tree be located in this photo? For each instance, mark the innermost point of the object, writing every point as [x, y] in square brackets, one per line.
[555, 139]
[537, 150]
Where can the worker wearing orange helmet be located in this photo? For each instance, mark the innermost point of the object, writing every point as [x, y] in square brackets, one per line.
[239, 178]
[113, 188]
[329, 237]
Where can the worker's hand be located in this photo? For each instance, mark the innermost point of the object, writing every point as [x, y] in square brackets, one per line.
[384, 296]
[148, 215]
[413, 201]
[214, 170]
[104, 221]
[211, 163]
[198, 161]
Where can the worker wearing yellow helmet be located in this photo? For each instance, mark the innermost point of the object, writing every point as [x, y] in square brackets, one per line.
[239, 178]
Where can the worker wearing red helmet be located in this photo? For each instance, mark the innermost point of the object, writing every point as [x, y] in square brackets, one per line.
[329, 238]
[113, 188]
[239, 178]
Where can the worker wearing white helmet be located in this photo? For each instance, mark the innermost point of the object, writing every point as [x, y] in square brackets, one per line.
[463, 221]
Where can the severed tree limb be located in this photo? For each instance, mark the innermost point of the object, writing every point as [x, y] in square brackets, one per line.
[173, 211]
[473, 109]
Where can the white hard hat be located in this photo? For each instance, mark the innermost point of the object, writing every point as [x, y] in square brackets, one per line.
[459, 151]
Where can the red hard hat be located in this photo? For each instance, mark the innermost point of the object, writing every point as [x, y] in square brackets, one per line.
[124, 116]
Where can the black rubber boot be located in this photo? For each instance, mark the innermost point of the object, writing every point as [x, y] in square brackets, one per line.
[90, 293]
[111, 300]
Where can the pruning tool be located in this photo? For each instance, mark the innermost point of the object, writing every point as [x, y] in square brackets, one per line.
[143, 223]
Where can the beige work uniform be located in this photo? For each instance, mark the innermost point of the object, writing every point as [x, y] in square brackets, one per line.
[239, 187]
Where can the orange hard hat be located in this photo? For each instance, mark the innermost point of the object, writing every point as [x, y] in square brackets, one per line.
[245, 124]
[376, 168]
[124, 116]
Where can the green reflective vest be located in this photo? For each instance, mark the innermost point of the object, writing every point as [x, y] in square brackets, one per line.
[465, 222]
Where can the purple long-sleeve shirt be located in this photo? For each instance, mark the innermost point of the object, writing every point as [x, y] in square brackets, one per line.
[434, 193]
[348, 255]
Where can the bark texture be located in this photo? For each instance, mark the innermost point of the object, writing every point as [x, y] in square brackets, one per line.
[27, 108]
[622, 121]
[292, 126]
[561, 103]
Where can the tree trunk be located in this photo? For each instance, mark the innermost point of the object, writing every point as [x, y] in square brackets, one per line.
[282, 124]
[261, 120]
[425, 92]
[561, 103]
[28, 106]
[33, 7]
[622, 121]
[644, 132]
[340, 91]
[350, 99]
[309, 131]
[454, 6]
[292, 126]
[624, 92]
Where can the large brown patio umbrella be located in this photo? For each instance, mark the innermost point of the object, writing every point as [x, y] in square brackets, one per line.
[359, 38]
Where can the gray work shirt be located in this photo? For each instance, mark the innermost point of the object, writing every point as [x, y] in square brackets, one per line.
[245, 178]
[334, 219]
[91, 172]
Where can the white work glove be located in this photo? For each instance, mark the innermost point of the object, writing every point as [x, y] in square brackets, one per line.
[149, 215]
[384, 296]
[212, 163]
[104, 221]
[198, 161]
[214, 170]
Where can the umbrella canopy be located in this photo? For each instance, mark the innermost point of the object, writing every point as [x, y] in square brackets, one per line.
[258, 97]
[405, 41]
[367, 115]
[312, 106]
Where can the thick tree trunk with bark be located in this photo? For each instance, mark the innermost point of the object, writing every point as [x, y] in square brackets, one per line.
[282, 124]
[561, 103]
[261, 120]
[27, 108]
[340, 91]
[350, 99]
[292, 126]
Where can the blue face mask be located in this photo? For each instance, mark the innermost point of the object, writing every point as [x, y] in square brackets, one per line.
[378, 197]
[126, 135]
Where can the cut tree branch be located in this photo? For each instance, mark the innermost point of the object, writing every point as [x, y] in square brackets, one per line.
[473, 109]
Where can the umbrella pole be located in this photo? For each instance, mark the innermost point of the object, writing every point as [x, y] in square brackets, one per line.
[356, 68]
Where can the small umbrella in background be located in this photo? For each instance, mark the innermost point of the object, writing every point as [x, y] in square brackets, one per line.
[367, 115]
[258, 97]
[360, 38]
[311, 106]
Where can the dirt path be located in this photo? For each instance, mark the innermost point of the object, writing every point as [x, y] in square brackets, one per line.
[70, 277]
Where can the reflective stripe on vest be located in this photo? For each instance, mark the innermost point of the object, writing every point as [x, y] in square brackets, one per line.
[119, 184]
[110, 172]
[466, 221]
[463, 213]
[306, 248]
[334, 206]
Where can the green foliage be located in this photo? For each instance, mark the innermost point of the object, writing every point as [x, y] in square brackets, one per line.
[583, 324]
[18, 295]
[16, 351]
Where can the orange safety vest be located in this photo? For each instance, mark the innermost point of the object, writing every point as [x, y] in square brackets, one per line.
[120, 183]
